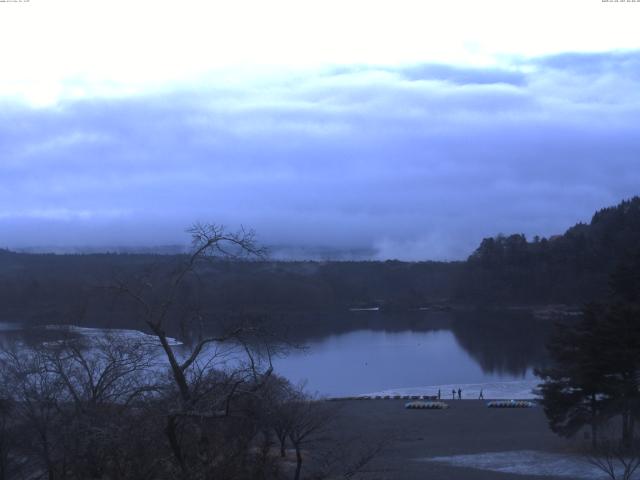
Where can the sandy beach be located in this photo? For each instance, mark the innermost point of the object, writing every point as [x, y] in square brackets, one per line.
[466, 431]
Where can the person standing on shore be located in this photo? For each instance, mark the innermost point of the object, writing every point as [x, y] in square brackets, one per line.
[438, 394]
[459, 394]
[453, 394]
[481, 397]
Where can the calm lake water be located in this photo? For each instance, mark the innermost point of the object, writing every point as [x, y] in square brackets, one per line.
[373, 351]
[350, 354]
[366, 361]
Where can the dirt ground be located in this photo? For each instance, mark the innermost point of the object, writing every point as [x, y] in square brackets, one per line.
[466, 427]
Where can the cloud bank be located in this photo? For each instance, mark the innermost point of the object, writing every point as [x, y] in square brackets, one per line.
[415, 162]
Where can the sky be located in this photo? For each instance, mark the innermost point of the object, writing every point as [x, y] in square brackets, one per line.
[409, 129]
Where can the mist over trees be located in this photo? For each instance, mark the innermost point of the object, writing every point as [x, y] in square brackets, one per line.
[571, 269]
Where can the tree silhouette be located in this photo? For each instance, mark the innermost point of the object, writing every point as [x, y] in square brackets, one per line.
[595, 374]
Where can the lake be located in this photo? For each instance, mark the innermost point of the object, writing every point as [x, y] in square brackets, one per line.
[413, 352]
[367, 352]
[366, 361]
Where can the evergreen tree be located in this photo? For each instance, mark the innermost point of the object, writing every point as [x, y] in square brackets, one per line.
[595, 374]
[573, 393]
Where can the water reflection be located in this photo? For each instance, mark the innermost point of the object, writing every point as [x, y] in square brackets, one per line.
[366, 361]
[357, 352]
[505, 345]
[372, 351]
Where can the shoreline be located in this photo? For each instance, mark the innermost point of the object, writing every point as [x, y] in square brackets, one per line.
[507, 390]
[468, 440]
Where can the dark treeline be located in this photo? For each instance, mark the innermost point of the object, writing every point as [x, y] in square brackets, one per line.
[61, 288]
[571, 269]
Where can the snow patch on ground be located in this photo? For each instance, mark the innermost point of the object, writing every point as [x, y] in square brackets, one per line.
[96, 333]
[526, 462]
[520, 389]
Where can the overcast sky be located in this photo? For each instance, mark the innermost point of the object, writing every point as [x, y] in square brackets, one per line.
[411, 130]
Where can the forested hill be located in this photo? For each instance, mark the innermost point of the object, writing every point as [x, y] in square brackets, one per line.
[37, 288]
[571, 269]
[568, 268]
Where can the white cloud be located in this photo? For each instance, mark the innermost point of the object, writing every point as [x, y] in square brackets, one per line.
[72, 49]
[420, 161]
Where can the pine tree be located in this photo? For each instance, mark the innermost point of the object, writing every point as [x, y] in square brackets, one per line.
[595, 372]
[573, 389]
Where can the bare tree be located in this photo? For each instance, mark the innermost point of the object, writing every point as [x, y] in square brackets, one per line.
[10, 464]
[618, 459]
[35, 397]
[109, 369]
[68, 401]
[347, 457]
[309, 420]
[280, 396]
[205, 385]
[309, 423]
[158, 302]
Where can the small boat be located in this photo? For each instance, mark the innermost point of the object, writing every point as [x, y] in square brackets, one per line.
[426, 405]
